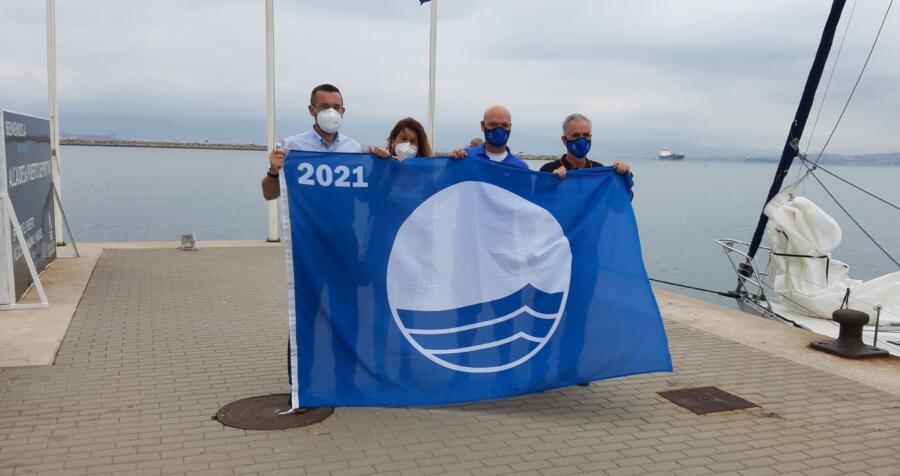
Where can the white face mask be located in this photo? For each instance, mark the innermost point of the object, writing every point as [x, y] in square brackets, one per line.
[329, 120]
[405, 150]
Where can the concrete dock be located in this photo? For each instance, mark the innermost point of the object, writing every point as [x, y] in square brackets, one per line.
[152, 341]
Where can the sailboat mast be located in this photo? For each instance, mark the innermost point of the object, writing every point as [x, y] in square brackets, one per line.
[792, 144]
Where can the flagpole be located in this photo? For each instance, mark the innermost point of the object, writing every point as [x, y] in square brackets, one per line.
[270, 110]
[432, 72]
[54, 114]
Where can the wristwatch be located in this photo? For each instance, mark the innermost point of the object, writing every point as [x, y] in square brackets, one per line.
[270, 174]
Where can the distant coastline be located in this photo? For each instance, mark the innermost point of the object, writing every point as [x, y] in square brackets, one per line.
[882, 159]
[160, 144]
[211, 145]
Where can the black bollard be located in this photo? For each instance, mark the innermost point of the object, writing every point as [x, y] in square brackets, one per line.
[849, 343]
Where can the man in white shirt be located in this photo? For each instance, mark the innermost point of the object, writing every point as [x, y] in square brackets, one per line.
[326, 106]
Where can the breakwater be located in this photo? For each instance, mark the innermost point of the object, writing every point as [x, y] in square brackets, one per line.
[161, 144]
[218, 146]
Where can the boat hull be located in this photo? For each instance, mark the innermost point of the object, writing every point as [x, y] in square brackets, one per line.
[888, 336]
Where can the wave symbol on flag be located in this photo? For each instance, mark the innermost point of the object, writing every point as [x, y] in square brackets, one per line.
[478, 277]
[473, 336]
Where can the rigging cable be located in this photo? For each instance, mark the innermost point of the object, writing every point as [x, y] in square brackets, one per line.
[871, 238]
[735, 295]
[842, 179]
[819, 285]
[852, 91]
[810, 311]
[729, 294]
[837, 57]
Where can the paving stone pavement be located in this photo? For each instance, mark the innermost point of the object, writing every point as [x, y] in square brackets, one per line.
[163, 338]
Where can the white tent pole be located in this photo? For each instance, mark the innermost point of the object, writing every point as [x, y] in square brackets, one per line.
[270, 108]
[432, 72]
[54, 113]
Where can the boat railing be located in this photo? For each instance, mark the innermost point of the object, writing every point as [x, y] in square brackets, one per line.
[751, 280]
[752, 285]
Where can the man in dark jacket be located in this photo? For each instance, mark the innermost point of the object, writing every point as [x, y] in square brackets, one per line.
[577, 139]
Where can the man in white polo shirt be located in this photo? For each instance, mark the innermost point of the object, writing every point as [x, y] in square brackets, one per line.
[326, 106]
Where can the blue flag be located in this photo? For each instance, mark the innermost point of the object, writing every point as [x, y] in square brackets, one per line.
[433, 281]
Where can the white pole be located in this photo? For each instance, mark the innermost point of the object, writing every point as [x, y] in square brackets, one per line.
[270, 108]
[432, 72]
[54, 113]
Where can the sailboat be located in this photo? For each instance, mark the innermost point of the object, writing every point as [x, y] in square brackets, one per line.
[801, 283]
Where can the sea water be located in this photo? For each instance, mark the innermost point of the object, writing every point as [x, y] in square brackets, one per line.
[115, 194]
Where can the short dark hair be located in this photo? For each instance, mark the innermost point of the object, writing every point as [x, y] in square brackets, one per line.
[328, 88]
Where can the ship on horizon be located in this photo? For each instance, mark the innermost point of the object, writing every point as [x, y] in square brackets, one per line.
[667, 154]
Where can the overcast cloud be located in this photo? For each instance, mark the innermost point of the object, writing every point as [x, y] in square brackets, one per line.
[690, 74]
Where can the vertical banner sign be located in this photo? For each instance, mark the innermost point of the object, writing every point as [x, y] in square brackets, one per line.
[28, 182]
[433, 281]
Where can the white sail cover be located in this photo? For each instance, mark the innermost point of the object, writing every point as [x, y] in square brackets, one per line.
[798, 227]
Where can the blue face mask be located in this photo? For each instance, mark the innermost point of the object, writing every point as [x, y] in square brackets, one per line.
[497, 136]
[579, 147]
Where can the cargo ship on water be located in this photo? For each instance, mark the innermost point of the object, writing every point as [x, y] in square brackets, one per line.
[667, 154]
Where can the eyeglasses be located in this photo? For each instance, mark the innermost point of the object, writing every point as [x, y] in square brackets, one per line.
[324, 107]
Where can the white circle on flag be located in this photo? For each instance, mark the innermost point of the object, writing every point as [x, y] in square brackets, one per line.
[481, 267]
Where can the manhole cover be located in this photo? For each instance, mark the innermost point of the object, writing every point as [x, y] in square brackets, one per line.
[705, 400]
[264, 413]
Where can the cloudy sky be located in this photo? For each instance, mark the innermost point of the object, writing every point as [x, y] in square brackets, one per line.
[705, 76]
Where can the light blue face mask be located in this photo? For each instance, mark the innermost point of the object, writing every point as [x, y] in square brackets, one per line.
[579, 147]
[497, 136]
